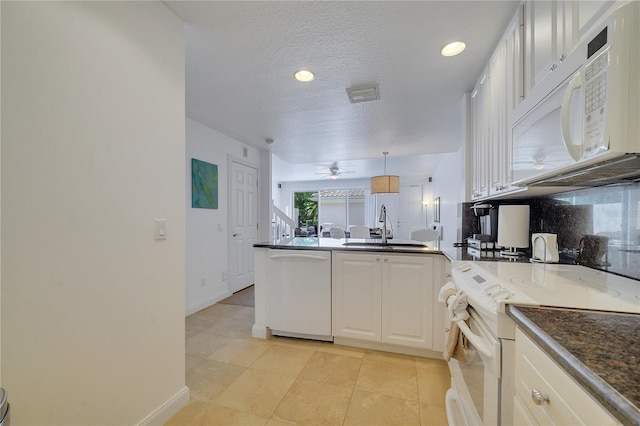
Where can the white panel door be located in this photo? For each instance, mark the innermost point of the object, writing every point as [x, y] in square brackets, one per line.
[410, 213]
[243, 228]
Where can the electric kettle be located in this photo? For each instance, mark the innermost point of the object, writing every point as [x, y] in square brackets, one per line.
[544, 248]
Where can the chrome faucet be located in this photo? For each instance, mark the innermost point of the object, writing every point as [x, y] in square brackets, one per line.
[383, 219]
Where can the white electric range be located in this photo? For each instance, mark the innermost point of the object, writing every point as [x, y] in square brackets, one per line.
[492, 285]
[477, 398]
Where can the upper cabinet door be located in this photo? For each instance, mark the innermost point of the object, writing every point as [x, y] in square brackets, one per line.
[566, 28]
[539, 40]
[550, 34]
[480, 139]
[498, 120]
[514, 40]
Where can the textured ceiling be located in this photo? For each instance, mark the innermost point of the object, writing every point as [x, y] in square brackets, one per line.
[241, 56]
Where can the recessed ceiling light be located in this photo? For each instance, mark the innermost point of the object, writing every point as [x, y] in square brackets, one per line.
[304, 75]
[453, 48]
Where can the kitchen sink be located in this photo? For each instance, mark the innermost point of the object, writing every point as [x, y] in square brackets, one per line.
[381, 244]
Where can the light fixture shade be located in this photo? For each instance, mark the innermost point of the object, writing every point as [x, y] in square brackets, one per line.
[513, 226]
[386, 184]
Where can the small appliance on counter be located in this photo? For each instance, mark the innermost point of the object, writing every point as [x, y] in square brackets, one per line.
[487, 216]
[544, 248]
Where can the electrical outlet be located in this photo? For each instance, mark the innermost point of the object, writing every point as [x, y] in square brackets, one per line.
[202, 282]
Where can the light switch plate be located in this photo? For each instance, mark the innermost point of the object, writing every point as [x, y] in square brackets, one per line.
[161, 229]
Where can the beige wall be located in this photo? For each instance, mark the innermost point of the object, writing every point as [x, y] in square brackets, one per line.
[92, 153]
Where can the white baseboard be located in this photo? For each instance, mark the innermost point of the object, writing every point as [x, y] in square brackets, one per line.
[203, 304]
[260, 332]
[167, 410]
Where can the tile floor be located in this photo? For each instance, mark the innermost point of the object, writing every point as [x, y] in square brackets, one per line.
[236, 379]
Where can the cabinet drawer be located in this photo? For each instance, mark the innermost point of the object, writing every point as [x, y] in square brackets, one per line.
[565, 402]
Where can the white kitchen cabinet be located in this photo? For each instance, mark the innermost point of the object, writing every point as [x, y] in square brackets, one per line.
[356, 296]
[480, 138]
[497, 160]
[546, 394]
[407, 283]
[538, 39]
[550, 34]
[498, 91]
[514, 42]
[384, 298]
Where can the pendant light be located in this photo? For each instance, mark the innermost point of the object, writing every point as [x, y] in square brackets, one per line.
[385, 184]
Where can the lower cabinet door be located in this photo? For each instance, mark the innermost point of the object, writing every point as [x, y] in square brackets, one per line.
[407, 305]
[356, 296]
[383, 298]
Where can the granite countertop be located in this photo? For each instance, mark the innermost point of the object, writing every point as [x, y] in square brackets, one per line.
[394, 245]
[356, 244]
[599, 350]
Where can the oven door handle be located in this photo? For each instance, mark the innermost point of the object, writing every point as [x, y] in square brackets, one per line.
[477, 341]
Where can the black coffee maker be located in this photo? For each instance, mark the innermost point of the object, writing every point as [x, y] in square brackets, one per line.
[487, 215]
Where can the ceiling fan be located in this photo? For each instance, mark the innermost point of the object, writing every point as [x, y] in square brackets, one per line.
[334, 172]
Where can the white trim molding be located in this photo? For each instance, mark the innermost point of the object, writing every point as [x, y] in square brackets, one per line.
[167, 410]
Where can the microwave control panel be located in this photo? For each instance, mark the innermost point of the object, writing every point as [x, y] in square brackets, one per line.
[595, 104]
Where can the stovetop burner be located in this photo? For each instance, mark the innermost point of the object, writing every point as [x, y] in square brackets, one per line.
[549, 285]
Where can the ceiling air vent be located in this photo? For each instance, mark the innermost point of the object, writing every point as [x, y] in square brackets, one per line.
[363, 94]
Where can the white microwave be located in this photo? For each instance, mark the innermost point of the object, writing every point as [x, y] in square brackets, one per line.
[586, 130]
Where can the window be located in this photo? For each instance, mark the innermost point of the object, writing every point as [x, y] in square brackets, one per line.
[342, 208]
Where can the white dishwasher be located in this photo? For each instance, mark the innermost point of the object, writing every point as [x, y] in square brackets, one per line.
[298, 293]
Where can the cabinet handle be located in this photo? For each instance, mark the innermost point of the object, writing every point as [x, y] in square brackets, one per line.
[554, 66]
[386, 258]
[447, 275]
[377, 257]
[538, 397]
[563, 57]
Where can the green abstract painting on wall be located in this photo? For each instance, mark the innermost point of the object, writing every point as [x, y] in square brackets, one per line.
[204, 185]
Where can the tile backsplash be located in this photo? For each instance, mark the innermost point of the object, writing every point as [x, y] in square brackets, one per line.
[610, 213]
